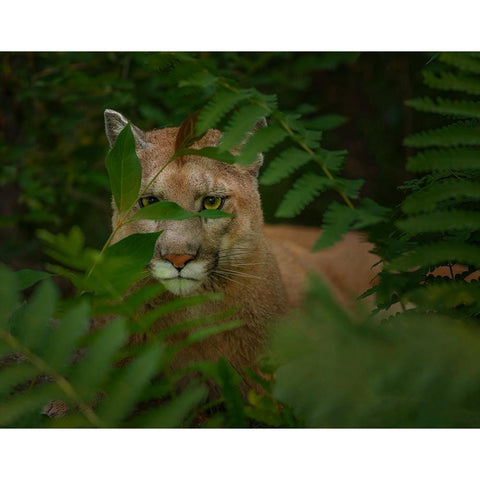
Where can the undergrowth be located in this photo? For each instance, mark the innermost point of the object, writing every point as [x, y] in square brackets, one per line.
[326, 367]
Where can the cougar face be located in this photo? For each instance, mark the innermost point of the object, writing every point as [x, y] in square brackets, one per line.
[197, 254]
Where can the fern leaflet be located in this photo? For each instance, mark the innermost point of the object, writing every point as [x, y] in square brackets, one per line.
[459, 108]
[337, 221]
[449, 136]
[463, 61]
[444, 160]
[439, 253]
[284, 165]
[261, 142]
[449, 81]
[303, 191]
[428, 198]
[441, 221]
[218, 106]
[241, 121]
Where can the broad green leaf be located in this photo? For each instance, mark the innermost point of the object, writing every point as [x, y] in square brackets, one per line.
[27, 277]
[125, 390]
[123, 264]
[124, 170]
[171, 211]
[9, 297]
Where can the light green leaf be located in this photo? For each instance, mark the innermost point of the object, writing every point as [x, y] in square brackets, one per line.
[124, 170]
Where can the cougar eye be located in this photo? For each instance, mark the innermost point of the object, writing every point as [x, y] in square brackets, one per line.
[144, 201]
[213, 203]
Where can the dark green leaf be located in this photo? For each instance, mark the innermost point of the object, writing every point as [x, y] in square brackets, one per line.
[27, 277]
[124, 170]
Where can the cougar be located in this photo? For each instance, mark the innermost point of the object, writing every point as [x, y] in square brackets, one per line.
[259, 270]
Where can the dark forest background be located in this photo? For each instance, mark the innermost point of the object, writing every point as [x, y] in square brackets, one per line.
[53, 146]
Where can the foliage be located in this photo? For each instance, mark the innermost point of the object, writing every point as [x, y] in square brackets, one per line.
[326, 367]
[440, 224]
[337, 369]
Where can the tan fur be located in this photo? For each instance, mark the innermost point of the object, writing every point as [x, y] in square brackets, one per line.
[272, 262]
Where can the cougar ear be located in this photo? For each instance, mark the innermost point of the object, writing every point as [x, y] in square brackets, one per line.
[254, 168]
[115, 122]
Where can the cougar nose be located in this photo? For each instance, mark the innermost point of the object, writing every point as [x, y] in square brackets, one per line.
[179, 261]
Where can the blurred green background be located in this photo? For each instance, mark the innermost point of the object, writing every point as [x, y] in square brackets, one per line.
[52, 142]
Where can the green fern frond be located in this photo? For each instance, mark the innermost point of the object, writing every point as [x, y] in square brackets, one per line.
[219, 105]
[261, 142]
[333, 159]
[337, 221]
[327, 122]
[447, 295]
[303, 191]
[428, 198]
[444, 160]
[441, 221]
[450, 81]
[350, 187]
[449, 136]
[439, 253]
[457, 108]
[284, 165]
[463, 61]
[240, 123]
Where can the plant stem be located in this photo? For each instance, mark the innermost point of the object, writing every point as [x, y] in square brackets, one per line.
[302, 144]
